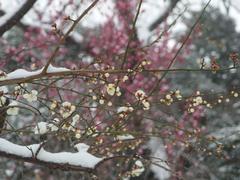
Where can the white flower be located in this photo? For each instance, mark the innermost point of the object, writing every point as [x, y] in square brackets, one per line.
[53, 105]
[31, 97]
[125, 78]
[78, 134]
[140, 94]
[41, 128]
[67, 109]
[146, 105]
[199, 100]
[101, 101]
[118, 92]
[111, 89]
[138, 170]
[13, 110]
[124, 109]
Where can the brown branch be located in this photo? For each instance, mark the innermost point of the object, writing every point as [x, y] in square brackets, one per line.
[164, 16]
[66, 35]
[180, 48]
[17, 16]
[93, 73]
[133, 33]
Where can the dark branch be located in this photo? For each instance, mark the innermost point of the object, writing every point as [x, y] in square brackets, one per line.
[164, 16]
[12, 21]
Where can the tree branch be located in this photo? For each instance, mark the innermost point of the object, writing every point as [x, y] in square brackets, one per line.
[65, 167]
[12, 21]
[95, 73]
[92, 5]
[164, 16]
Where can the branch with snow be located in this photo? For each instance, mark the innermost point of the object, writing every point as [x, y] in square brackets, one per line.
[79, 161]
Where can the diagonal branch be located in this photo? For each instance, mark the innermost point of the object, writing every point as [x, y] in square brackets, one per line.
[57, 48]
[164, 16]
[12, 21]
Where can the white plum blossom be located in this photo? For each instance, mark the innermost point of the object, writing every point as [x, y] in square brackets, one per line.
[138, 170]
[112, 89]
[13, 110]
[78, 134]
[101, 101]
[124, 109]
[67, 109]
[125, 78]
[146, 105]
[32, 96]
[198, 100]
[53, 105]
[140, 94]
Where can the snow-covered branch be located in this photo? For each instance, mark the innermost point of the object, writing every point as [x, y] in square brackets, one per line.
[81, 160]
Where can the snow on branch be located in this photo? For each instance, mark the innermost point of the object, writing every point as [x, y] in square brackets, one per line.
[22, 75]
[81, 160]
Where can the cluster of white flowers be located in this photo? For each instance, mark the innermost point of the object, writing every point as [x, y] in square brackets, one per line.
[197, 101]
[67, 109]
[141, 96]
[44, 127]
[53, 105]
[124, 110]
[112, 90]
[138, 169]
[92, 131]
[12, 108]
[31, 97]
[19, 89]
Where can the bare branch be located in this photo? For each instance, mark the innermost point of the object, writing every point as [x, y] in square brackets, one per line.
[12, 21]
[92, 5]
[164, 16]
